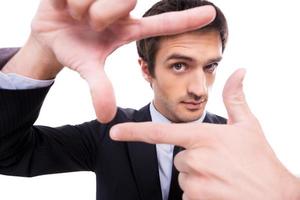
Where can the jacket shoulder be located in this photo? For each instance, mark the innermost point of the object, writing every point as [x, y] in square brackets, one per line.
[125, 114]
[129, 114]
[215, 119]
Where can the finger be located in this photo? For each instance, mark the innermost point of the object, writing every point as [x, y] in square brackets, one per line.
[186, 135]
[191, 160]
[58, 4]
[200, 161]
[173, 22]
[182, 178]
[191, 185]
[185, 197]
[102, 94]
[104, 12]
[78, 8]
[234, 98]
[181, 162]
[204, 162]
[149, 132]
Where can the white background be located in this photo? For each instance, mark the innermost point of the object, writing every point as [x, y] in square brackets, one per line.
[264, 38]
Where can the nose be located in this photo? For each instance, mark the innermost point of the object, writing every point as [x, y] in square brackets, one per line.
[197, 86]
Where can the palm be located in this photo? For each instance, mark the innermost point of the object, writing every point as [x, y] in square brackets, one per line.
[75, 44]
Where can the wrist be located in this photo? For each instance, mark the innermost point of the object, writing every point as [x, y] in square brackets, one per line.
[33, 61]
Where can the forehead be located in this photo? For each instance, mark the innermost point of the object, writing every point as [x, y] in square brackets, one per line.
[199, 45]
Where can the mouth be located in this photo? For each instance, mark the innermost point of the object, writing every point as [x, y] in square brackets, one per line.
[194, 105]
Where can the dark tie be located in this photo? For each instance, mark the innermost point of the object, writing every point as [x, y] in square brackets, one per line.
[175, 191]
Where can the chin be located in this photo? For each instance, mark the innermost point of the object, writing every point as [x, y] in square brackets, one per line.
[184, 115]
[188, 118]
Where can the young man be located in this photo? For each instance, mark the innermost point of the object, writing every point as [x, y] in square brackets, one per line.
[180, 68]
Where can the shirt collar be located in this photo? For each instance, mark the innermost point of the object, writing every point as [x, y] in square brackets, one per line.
[156, 116]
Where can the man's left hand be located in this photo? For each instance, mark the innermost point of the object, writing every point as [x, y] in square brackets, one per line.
[228, 162]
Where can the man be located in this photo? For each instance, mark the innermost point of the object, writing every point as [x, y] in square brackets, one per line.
[180, 68]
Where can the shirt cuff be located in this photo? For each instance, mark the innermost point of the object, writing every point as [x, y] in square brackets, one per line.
[13, 81]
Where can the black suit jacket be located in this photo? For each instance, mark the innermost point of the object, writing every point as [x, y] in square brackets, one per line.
[124, 170]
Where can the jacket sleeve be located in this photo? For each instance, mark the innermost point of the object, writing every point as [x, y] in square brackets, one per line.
[6, 54]
[27, 150]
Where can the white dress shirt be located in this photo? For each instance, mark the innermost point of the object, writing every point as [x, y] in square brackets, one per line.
[164, 151]
[13, 81]
[165, 154]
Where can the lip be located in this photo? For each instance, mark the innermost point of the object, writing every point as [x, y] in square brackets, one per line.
[193, 105]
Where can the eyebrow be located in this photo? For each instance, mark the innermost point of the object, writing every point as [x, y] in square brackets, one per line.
[177, 56]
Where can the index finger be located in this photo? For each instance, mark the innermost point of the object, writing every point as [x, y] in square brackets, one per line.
[185, 135]
[163, 24]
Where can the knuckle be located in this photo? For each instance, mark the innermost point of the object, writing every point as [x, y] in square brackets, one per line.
[194, 188]
[194, 160]
[177, 159]
[181, 181]
[135, 32]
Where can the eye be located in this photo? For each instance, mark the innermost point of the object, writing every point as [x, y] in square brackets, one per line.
[179, 67]
[211, 67]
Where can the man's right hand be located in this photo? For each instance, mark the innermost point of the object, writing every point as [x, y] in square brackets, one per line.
[80, 34]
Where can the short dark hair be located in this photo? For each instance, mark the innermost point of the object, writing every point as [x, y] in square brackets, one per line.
[147, 48]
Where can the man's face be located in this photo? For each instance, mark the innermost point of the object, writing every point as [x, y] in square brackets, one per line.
[185, 68]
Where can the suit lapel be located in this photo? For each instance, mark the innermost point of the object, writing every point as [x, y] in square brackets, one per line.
[207, 119]
[144, 163]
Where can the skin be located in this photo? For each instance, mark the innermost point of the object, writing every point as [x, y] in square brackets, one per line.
[226, 162]
[185, 68]
[93, 30]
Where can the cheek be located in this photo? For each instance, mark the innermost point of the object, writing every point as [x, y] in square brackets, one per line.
[210, 79]
[170, 89]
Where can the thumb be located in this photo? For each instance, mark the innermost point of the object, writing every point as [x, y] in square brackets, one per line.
[102, 94]
[234, 98]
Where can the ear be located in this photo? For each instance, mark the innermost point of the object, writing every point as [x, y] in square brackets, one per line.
[145, 70]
